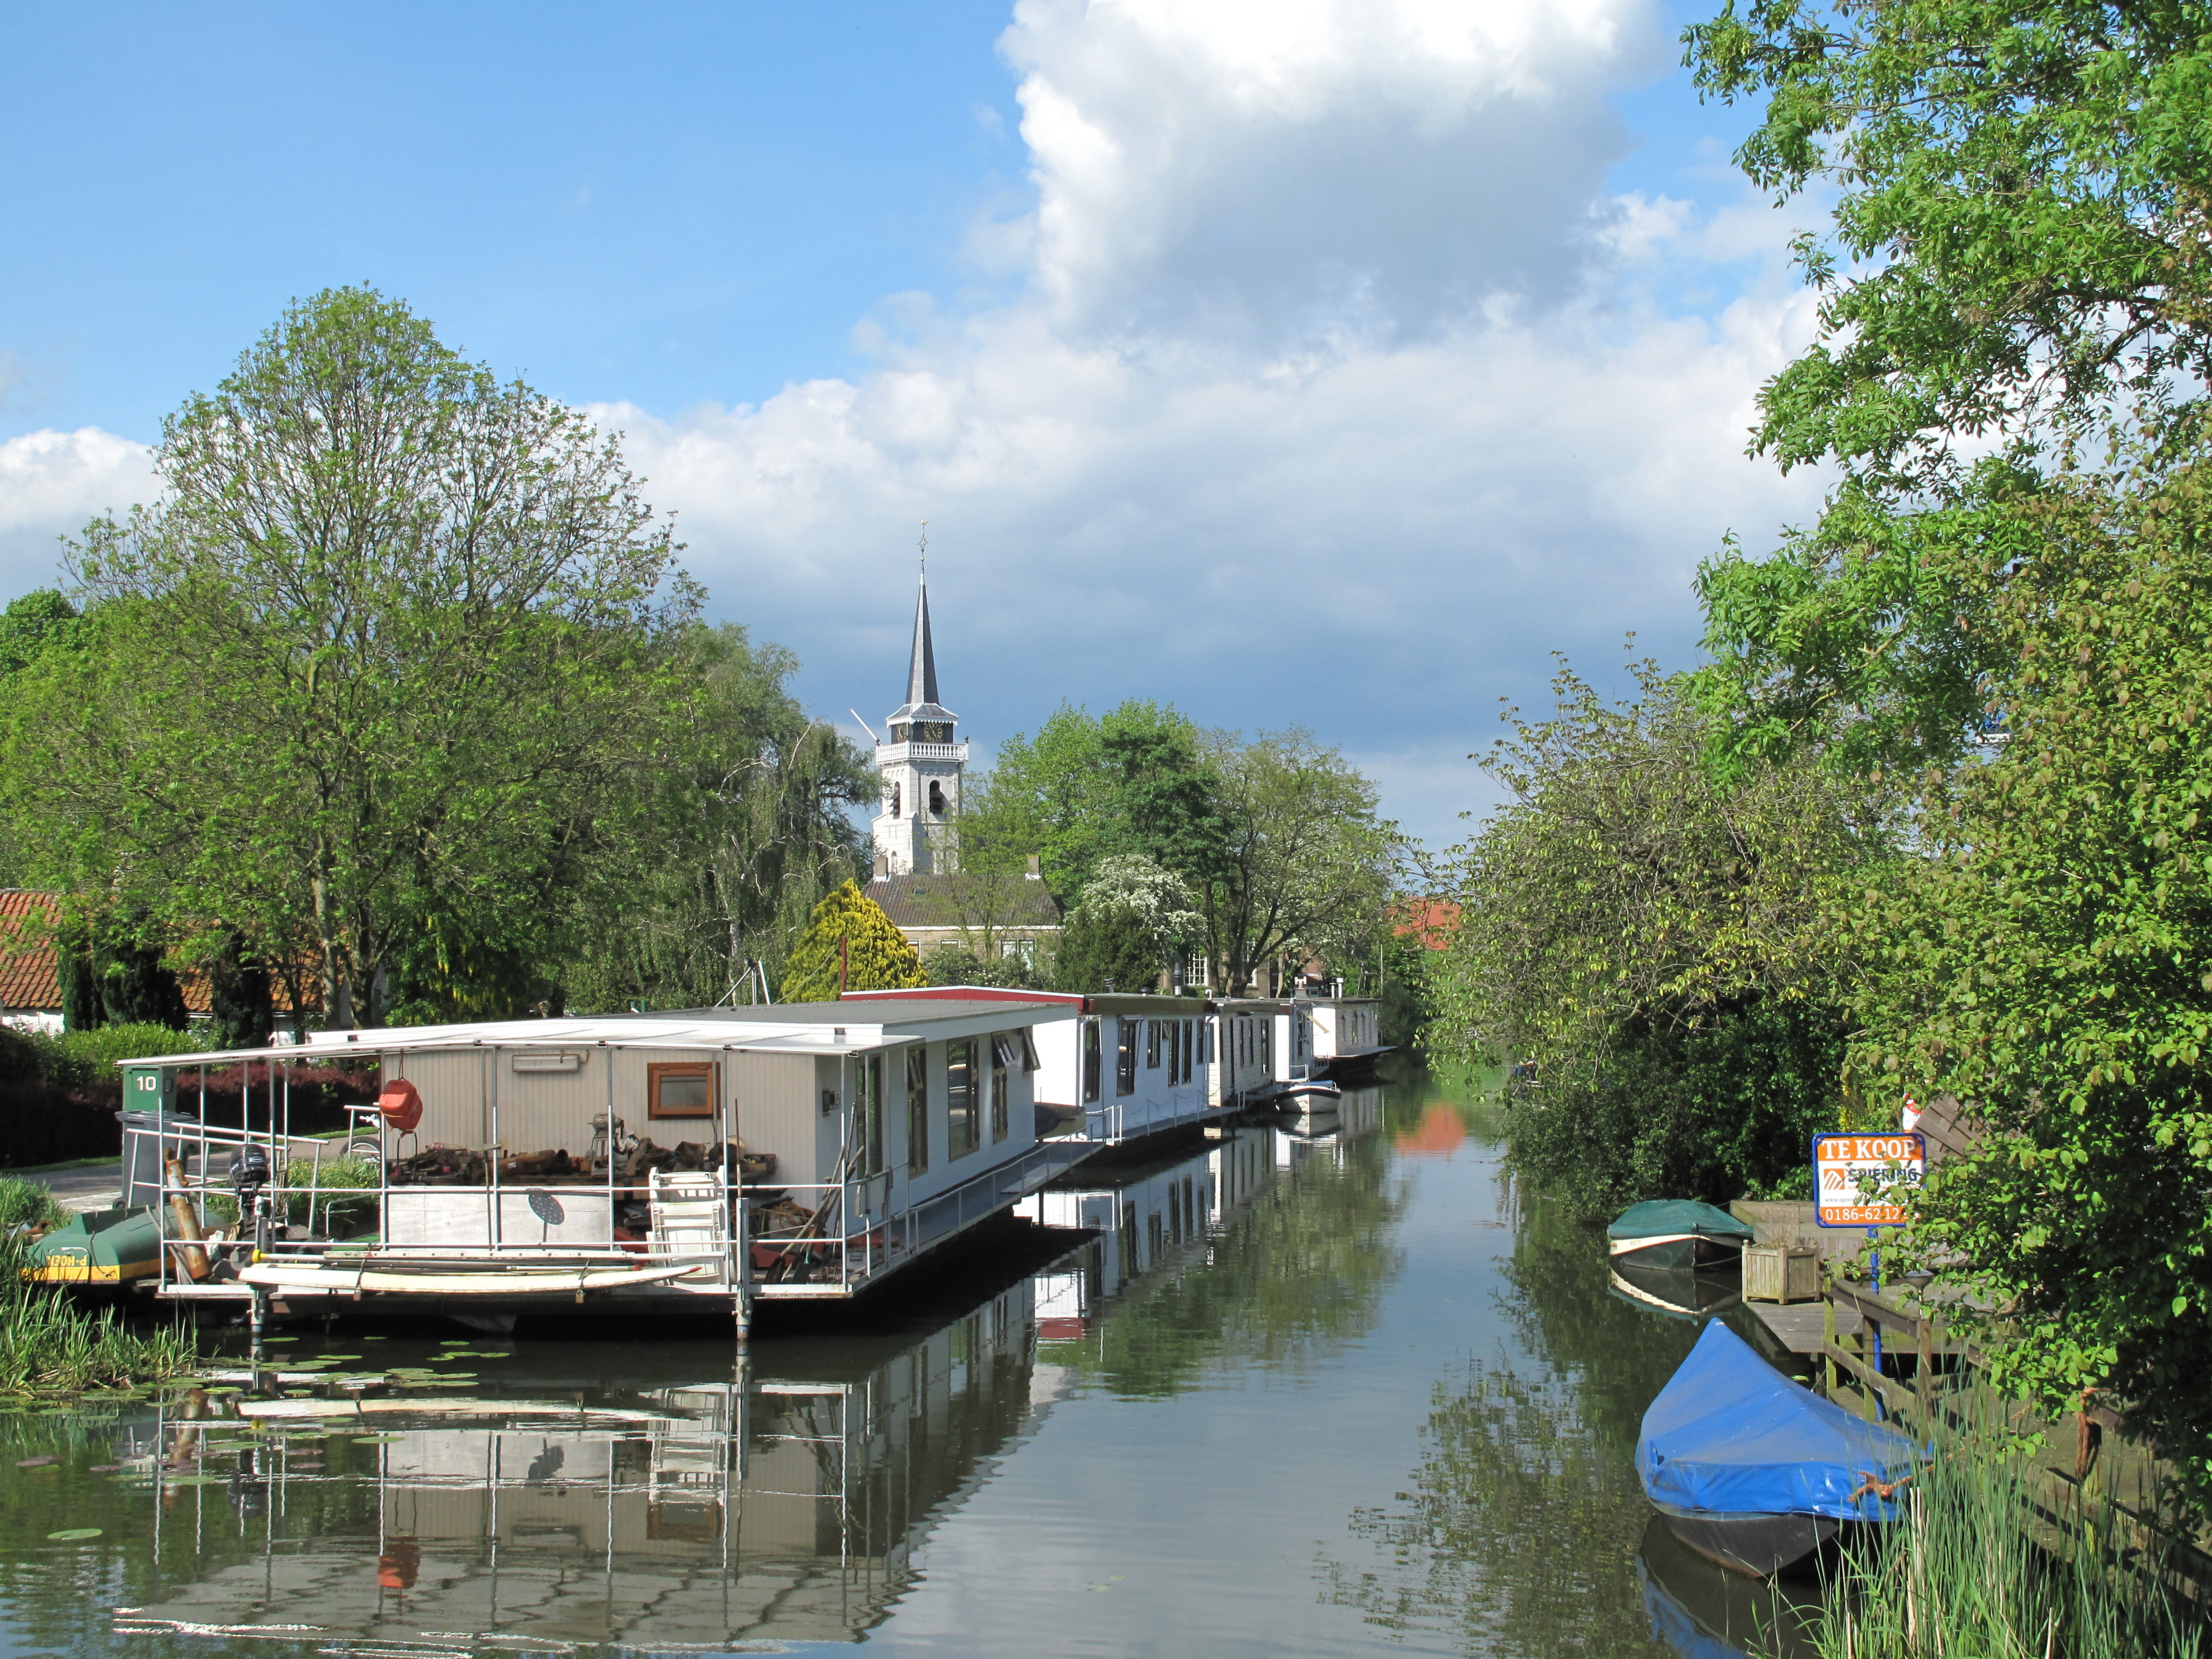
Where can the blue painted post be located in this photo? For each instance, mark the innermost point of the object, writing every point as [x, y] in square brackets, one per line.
[1874, 1264]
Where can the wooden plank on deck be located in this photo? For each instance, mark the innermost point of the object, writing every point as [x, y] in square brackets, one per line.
[1801, 1327]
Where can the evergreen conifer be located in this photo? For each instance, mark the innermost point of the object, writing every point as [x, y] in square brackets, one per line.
[876, 955]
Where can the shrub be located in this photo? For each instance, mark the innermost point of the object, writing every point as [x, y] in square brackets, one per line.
[954, 964]
[75, 1059]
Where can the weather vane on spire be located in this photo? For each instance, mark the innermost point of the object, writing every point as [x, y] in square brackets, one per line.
[924, 545]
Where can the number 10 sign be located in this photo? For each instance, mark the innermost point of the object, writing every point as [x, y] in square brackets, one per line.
[1856, 1178]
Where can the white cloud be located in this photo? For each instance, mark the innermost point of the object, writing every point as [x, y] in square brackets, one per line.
[51, 482]
[1331, 397]
[1334, 393]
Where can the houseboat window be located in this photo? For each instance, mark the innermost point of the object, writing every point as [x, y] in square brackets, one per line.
[1090, 1061]
[960, 1126]
[1152, 1044]
[871, 1116]
[1206, 1042]
[680, 1089]
[1002, 1052]
[1125, 1057]
[1029, 1061]
[917, 1111]
[1189, 1050]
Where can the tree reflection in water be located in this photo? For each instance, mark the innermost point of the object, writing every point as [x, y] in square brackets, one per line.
[1520, 1529]
[1297, 1274]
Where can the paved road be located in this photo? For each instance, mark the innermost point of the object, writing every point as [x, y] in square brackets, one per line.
[86, 1187]
[96, 1186]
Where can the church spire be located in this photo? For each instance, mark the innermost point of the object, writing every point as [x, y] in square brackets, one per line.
[922, 668]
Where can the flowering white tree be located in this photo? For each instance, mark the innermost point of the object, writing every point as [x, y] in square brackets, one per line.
[1161, 899]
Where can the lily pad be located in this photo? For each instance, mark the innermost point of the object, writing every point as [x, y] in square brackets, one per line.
[377, 1439]
[35, 1463]
[72, 1535]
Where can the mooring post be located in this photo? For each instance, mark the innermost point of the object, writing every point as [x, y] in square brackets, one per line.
[1828, 1337]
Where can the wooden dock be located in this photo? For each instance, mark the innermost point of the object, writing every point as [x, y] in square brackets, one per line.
[2092, 1481]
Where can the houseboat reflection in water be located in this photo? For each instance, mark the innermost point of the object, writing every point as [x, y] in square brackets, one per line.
[778, 1506]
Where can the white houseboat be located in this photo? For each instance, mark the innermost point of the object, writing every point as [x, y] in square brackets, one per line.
[1131, 1065]
[1297, 1050]
[644, 1164]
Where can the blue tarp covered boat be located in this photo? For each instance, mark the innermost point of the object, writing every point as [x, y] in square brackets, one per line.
[1755, 1471]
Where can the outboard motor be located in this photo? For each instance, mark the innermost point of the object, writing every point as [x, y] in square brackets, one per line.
[249, 1179]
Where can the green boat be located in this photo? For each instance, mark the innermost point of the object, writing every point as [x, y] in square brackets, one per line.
[98, 1247]
[1676, 1232]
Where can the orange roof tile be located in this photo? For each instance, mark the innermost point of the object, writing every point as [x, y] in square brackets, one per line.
[1433, 921]
[29, 975]
[30, 963]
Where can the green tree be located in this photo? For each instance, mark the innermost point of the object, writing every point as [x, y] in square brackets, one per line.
[2015, 270]
[389, 672]
[2047, 962]
[1658, 952]
[1050, 795]
[1107, 947]
[749, 826]
[1306, 865]
[849, 944]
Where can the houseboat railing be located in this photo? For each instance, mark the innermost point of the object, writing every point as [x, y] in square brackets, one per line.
[852, 1231]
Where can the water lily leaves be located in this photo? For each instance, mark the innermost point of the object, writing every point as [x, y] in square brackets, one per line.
[72, 1535]
[35, 1463]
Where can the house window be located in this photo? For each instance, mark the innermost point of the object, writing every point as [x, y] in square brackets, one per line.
[680, 1089]
[1002, 1061]
[960, 1087]
[917, 1111]
[1125, 1057]
[871, 1116]
[1091, 1064]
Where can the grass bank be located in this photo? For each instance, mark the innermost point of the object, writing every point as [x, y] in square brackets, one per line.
[49, 1340]
[1960, 1574]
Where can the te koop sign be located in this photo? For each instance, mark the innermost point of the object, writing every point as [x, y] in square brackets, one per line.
[1853, 1175]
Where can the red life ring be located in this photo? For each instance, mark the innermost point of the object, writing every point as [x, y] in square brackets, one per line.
[400, 1105]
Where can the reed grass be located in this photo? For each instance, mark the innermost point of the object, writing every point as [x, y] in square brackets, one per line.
[27, 1204]
[1959, 1575]
[51, 1342]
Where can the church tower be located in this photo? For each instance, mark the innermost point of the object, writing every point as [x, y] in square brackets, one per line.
[917, 831]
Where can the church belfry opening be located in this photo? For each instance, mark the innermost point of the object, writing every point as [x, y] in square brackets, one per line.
[923, 762]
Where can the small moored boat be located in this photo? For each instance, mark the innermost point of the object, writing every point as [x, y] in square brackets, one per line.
[1753, 1471]
[1676, 1232]
[115, 1246]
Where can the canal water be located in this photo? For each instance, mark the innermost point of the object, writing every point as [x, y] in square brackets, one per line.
[1332, 1389]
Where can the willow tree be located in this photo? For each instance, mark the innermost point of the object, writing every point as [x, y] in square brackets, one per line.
[385, 672]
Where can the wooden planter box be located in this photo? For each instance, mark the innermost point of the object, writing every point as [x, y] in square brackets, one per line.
[1781, 1273]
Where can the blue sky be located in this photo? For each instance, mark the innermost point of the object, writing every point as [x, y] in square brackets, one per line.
[1303, 363]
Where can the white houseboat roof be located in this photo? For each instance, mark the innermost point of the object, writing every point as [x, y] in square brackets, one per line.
[1111, 1002]
[795, 1027]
